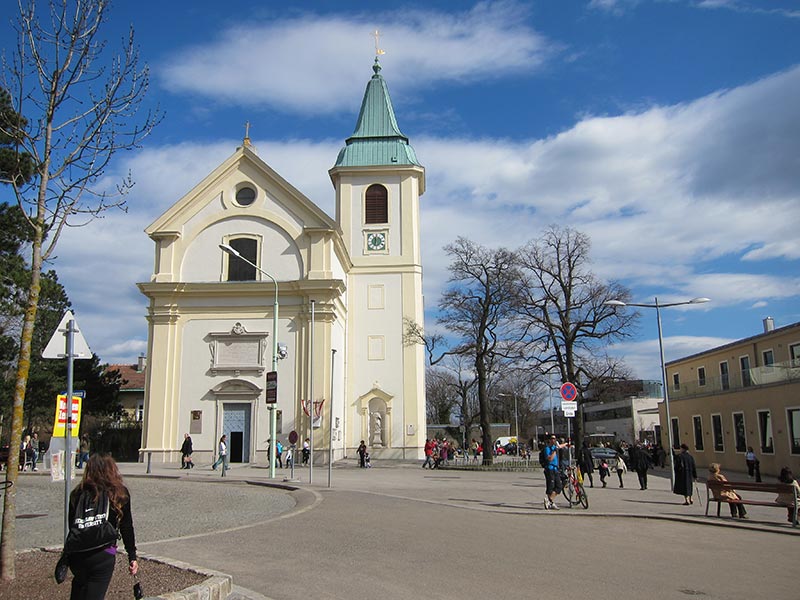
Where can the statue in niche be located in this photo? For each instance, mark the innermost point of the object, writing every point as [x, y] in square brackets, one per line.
[376, 429]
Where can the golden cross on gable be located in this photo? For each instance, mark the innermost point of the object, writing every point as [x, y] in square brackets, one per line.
[378, 50]
[247, 133]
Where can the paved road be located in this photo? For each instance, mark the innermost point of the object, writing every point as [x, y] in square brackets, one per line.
[401, 532]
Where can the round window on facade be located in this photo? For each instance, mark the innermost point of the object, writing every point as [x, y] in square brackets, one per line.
[245, 196]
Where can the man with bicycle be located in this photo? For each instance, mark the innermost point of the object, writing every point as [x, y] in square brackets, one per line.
[552, 473]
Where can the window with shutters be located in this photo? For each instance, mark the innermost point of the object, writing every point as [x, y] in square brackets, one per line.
[376, 205]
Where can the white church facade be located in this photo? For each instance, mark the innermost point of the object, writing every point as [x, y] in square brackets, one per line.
[345, 288]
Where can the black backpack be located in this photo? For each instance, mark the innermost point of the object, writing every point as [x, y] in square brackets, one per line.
[90, 528]
[544, 459]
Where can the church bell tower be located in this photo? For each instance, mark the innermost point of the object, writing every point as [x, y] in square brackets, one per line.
[378, 182]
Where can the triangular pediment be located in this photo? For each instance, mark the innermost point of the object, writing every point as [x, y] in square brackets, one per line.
[217, 189]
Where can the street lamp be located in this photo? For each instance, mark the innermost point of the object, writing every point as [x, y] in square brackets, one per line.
[273, 417]
[516, 417]
[658, 308]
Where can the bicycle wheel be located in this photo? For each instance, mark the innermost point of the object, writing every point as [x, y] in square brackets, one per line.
[568, 492]
[582, 497]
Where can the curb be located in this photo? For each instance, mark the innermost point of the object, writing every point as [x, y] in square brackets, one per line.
[217, 586]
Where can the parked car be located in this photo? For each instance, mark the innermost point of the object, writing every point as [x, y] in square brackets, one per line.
[607, 453]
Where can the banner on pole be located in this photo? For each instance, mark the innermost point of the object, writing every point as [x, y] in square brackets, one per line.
[60, 425]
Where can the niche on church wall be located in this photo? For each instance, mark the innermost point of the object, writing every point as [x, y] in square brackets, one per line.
[377, 423]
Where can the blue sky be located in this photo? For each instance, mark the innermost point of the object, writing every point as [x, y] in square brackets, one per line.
[666, 130]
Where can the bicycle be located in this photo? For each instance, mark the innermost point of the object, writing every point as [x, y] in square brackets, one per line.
[573, 490]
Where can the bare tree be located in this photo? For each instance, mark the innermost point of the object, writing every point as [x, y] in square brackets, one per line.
[561, 308]
[476, 310]
[83, 106]
[520, 392]
[440, 399]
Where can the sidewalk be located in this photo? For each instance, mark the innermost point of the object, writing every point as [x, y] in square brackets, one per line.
[513, 492]
[260, 531]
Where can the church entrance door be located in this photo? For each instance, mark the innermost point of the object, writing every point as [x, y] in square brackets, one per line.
[236, 425]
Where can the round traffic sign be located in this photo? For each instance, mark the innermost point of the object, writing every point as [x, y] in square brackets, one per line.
[568, 391]
[293, 437]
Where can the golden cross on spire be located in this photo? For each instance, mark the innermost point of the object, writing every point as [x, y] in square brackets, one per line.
[246, 141]
[378, 50]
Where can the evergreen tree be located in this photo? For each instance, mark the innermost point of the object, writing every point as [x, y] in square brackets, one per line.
[15, 164]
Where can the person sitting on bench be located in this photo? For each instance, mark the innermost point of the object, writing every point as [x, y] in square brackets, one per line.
[737, 508]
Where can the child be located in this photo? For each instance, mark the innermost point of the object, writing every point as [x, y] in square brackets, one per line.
[621, 468]
[603, 471]
[367, 462]
[786, 476]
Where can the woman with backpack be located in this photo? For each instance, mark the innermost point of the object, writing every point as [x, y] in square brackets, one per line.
[102, 492]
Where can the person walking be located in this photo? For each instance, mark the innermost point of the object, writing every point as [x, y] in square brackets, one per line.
[223, 454]
[362, 455]
[786, 476]
[640, 462]
[552, 473]
[92, 568]
[428, 454]
[750, 461]
[586, 462]
[622, 468]
[186, 452]
[36, 450]
[306, 450]
[737, 509]
[685, 475]
[603, 471]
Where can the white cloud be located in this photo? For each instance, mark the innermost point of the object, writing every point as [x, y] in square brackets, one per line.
[644, 358]
[743, 6]
[690, 200]
[616, 7]
[326, 71]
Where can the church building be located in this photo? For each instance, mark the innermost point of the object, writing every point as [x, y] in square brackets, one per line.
[342, 289]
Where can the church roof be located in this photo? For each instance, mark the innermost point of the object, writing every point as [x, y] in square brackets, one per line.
[377, 140]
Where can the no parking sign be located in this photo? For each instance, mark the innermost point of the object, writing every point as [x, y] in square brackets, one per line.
[569, 393]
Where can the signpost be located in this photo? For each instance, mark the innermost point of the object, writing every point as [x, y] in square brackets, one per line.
[272, 387]
[569, 404]
[67, 342]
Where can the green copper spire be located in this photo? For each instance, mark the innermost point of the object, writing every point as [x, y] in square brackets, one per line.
[377, 140]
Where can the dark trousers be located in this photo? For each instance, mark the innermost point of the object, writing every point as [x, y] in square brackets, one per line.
[737, 510]
[642, 479]
[92, 573]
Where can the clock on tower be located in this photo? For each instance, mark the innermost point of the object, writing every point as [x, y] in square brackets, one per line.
[376, 241]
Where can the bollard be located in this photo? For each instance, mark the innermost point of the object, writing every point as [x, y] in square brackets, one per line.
[149, 460]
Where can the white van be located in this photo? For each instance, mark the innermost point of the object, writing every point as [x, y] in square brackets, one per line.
[504, 441]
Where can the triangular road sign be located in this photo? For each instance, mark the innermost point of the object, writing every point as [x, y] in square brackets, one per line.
[57, 346]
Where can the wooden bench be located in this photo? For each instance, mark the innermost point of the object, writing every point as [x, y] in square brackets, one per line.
[714, 488]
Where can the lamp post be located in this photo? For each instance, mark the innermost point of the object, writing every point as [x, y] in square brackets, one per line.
[658, 308]
[273, 417]
[516, 417]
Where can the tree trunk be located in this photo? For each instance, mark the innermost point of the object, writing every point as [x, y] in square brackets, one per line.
[8, 534]
[488, 446]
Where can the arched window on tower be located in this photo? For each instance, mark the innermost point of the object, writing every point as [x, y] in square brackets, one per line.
[377, 205]
[238, 270]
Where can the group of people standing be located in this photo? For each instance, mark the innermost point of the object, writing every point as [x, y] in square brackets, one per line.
[437, 453]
